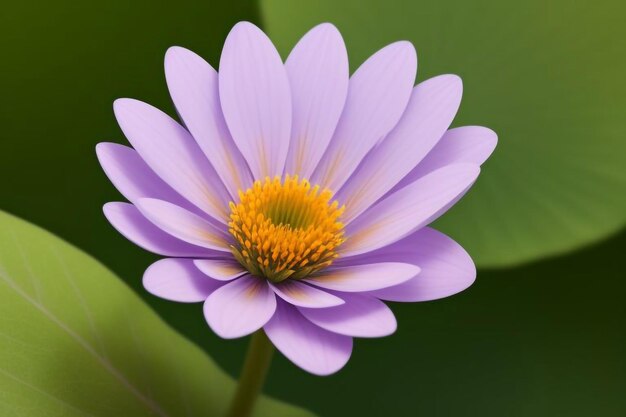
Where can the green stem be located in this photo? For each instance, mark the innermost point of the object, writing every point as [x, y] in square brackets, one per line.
[255, 369]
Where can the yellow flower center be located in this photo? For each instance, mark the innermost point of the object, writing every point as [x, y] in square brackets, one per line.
[285, 229]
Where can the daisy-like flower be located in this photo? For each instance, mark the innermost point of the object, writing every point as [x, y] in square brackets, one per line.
[294, 198]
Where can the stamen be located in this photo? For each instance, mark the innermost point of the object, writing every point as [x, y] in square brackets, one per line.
[285, 229]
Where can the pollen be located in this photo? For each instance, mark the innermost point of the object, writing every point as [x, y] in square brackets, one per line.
[285, 228]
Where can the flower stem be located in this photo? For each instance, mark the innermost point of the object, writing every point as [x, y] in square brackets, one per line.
[255, 369]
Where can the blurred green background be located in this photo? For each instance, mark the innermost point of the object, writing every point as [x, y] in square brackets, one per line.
[541, 333]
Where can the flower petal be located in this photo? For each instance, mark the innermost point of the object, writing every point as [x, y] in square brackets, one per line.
[318, 76]
[360, 278]
[446, 268]
[377, 95]
[220, 269]
[430, 111]
[312, 348]
[255, 98]
[132, 176]
[303, 295]
[360, 316]
[127, 219]
[173, 155]
[408, 209]
[178, 280]
[467, 144]
[193, 85]
[183, 224]
[240, 307]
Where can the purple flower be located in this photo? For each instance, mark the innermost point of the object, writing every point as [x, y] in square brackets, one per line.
[296, 198]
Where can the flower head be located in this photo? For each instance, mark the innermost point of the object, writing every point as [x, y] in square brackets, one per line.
[296, 198]
[285, 229]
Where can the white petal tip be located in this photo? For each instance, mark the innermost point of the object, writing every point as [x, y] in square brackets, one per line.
[108, 208]
[175, 53]
[405, 48]
[102, 147]
[122, 105]
[245, 26]
[327, 27]
[173, 50]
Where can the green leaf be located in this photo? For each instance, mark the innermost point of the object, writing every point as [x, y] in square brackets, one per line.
[63, 64]
[76, 341]
[548, 77]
